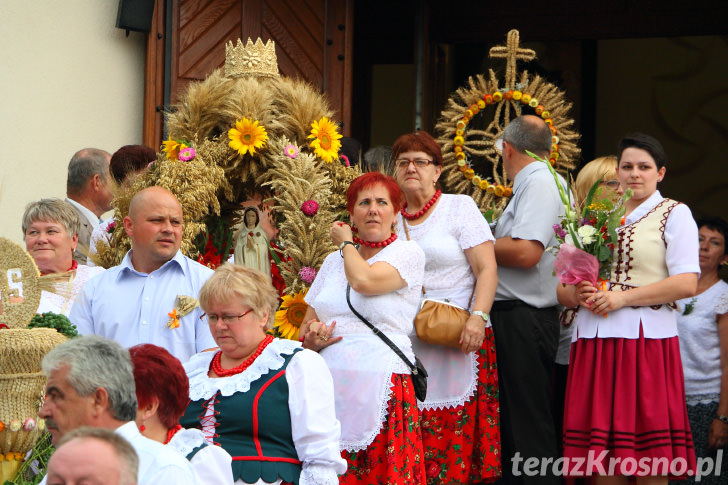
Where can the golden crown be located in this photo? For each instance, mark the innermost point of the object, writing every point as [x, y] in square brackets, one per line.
[257, 59]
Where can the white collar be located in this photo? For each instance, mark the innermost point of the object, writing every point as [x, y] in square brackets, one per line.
[92, 219]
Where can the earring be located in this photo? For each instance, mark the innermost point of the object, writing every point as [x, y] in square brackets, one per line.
[142, 428]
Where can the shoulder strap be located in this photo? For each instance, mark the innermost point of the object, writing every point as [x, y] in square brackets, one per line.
[379, 334]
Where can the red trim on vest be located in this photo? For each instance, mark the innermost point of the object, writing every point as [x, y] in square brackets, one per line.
[267, 458]
[256, 440]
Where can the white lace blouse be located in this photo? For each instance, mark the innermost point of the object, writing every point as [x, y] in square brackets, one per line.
[361, 364]
[455, 225]
[314, 427]
[697, 328]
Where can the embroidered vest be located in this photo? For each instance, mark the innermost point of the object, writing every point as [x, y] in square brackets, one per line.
[639, 258]
[255, 428]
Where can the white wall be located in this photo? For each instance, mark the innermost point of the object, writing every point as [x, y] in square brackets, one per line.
[68, 79]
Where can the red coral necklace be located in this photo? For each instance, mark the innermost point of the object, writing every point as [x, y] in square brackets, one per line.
[171, 432]
[220, 372]
[421, 212]
[380, 244]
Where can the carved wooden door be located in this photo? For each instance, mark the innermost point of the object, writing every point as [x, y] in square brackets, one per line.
[313, 42]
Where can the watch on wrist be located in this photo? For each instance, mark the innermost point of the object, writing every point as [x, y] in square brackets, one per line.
[722, 418]
[482, 315]
[342, 245]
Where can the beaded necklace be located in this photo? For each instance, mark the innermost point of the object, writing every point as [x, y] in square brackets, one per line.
[380, 244]
[220, 372]
[421, 212]
[172, 432]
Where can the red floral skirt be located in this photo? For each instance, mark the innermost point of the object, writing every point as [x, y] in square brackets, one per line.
[462, 444]
[625, 409]
[395, 456]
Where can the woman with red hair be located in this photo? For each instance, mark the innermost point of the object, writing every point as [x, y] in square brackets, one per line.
[162, 392]
[375, 399]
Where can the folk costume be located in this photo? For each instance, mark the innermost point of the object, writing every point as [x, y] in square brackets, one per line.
[461, 411]
[274, 418]
[211, 463]
[625, 391]
[375, 400]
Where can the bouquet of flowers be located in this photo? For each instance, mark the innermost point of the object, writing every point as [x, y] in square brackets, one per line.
[587, 235]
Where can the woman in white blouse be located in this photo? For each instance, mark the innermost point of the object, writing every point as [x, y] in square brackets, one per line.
[50, 231]
[625, 396]
[375, 399]
[702, 323]
[267, 402]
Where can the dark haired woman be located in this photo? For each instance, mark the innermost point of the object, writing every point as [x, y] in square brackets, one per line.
[625, 398]
[375, 399]
[702, 323]
[461, 411]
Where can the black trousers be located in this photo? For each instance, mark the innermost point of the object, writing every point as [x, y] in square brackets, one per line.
[526, 339]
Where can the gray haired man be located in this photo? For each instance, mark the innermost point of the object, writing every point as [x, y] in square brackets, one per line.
[91, 383]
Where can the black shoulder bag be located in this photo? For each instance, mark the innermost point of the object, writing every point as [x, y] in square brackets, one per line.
[419, 374]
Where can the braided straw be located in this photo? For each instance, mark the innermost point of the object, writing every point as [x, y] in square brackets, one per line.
[22, 382]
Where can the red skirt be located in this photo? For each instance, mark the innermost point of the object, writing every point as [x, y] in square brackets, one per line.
[395, 456]
[625, 409]
[462, 444]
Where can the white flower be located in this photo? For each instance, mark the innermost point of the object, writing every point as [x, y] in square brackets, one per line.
[587, 234]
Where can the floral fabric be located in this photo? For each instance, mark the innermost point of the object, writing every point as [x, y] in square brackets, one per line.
[396, 456]
[462, 444]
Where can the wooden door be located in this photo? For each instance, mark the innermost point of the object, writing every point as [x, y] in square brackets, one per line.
[313, 42]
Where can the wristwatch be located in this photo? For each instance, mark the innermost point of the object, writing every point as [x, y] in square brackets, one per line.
[482, 315]
[343, 245]
[722, 418]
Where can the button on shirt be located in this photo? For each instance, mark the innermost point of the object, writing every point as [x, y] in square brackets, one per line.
[531, 213]
[131, 307]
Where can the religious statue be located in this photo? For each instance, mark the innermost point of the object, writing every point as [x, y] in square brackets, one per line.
[251, 247]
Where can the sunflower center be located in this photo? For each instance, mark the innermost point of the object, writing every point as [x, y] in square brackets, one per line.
[296, 312]
[325, 142]
[247, 137]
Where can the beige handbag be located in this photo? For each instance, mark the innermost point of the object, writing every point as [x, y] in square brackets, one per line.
[440, 322]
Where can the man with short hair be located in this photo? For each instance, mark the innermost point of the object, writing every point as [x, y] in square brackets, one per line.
[89, 189]
[146, 299]
[93, 455]
[524, 315]
[91, 383]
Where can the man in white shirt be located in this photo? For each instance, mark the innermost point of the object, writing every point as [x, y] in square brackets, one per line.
[93, 456]
[91, 383]
[89, 190]
[151, 297]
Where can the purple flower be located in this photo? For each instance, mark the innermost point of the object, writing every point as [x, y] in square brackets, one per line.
[110, 228]
[307, 274]
[310, 207]
[345, 159]
[559, 231]
[187, 154]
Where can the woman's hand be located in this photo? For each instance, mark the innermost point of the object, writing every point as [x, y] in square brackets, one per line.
[717, 435]
[603, 302]
[340, 232]
[473, 334]
[584, 291]
[317, 335]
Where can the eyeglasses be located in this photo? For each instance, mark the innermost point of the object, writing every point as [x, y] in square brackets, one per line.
[612, 184]
[419, 162]
[226, 319]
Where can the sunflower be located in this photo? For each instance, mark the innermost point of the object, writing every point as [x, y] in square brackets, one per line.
[290, 316]
[172, 148]
[325, 142]
[247, 136]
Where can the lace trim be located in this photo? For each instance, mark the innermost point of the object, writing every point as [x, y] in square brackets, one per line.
[386, 390]
[186, 440]
[204, 387]
[702, 399]
[318, 475]
[722, 306]
[441, 405]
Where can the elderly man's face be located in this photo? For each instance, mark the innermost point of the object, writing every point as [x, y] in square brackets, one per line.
[84, 461]
[64, 409]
